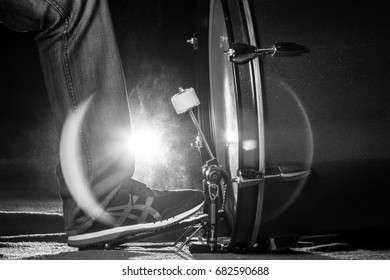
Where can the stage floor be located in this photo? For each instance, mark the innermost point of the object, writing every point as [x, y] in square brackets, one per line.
[38, 235]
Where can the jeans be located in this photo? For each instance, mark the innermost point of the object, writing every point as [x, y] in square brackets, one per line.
[79, 58]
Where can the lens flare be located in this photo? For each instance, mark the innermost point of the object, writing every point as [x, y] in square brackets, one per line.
[146, 143]
[72, 168]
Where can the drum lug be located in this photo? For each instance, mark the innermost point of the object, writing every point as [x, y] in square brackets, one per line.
[248, 177]
[250, 174]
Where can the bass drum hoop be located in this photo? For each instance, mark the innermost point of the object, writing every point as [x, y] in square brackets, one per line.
[245, 201]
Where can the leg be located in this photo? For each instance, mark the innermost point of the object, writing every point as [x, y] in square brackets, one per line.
[80, 59]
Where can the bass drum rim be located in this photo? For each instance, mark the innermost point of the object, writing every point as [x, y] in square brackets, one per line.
[245, 200]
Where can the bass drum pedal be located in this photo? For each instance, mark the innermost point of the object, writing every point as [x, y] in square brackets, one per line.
[222, 229]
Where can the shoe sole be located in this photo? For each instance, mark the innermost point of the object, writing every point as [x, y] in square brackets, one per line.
[120, 233]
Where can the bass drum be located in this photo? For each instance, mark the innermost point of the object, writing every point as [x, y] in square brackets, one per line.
[287, 130]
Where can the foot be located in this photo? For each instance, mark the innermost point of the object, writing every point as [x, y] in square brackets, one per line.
[136, 214]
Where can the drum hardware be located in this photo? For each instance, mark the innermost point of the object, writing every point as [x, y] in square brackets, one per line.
[246, 177]
[193, 41]
[213, 190]
[201, 139]
[197, 143]
[290, 175]
[242, 53]
[185, 101]
[213, 178]
[201, 230]
[280, 243]
[213, 221]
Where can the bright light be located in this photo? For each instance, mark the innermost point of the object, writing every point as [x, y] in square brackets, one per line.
[231, 137]
[146, 143]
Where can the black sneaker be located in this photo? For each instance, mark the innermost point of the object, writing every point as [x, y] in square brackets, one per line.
[143, 213]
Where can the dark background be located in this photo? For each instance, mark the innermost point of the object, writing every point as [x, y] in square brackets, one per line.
[156, 59]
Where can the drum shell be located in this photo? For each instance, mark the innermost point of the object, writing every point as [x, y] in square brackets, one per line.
[341, 89]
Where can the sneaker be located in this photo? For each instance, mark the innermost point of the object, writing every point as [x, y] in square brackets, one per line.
[138, 214]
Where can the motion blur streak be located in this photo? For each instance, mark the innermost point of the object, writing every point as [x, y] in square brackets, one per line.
[73, 171]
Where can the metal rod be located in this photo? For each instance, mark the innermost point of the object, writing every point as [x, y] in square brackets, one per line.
[189, 239]
[184, 234]
[201, 134]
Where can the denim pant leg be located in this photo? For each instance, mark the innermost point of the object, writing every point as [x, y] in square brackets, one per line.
[79, 59]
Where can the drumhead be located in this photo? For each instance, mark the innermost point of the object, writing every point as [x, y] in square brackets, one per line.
[223, 100]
